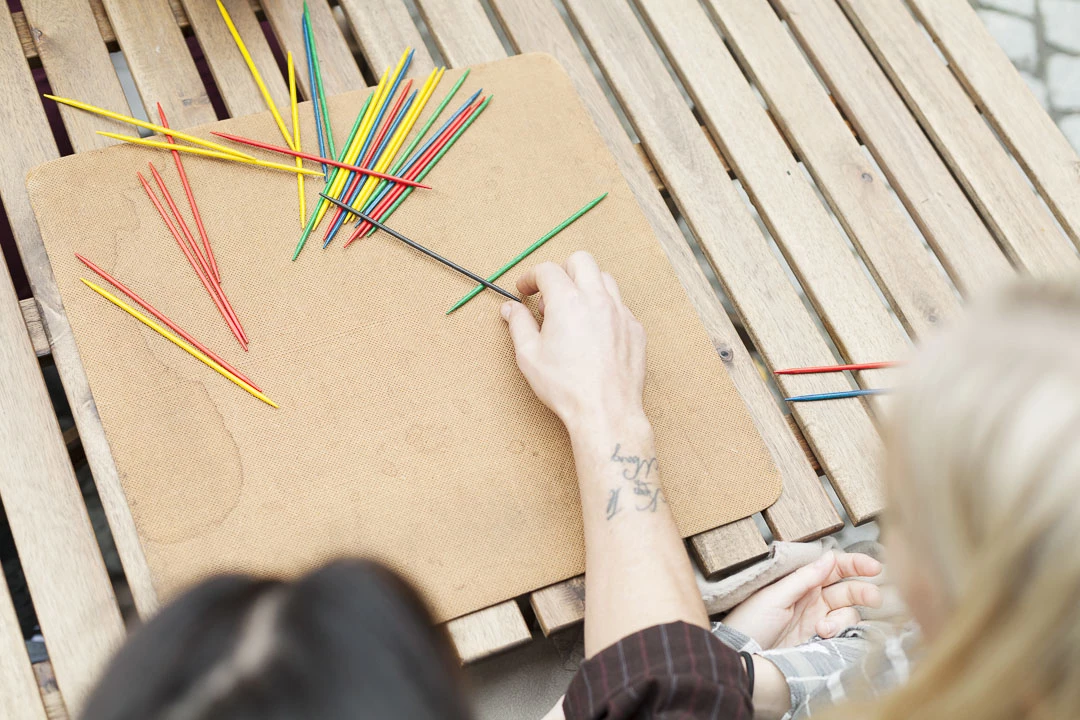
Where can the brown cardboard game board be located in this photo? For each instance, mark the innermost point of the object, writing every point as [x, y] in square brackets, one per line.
[403, 434]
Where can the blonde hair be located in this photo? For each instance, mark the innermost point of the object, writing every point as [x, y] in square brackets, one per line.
[983, 449]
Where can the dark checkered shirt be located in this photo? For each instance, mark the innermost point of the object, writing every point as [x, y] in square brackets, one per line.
[667, 671]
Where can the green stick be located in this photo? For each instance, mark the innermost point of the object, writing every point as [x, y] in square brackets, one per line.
[311, 218]
[404, 157]
[528, 251]
[434, 162]
[319, 92]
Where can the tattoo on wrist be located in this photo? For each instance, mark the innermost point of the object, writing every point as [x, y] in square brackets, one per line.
[642, 473]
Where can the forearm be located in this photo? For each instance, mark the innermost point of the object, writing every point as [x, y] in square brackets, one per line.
[637, 571]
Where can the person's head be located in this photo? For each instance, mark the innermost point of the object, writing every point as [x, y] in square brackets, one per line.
[983, 519]
[351, 640]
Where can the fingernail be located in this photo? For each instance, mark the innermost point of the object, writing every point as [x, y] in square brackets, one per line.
[505, 311]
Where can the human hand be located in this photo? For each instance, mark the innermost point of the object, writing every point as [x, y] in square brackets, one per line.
[587, 360]
[810, 600]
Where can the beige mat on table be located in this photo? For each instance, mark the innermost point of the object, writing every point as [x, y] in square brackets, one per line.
[403, 434]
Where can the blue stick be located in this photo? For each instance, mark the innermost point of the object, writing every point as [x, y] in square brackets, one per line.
[378, 153]
[835, 395]
[419, 153]
[314, 99]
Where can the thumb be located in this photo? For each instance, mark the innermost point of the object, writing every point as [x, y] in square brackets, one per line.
[524, 332]
[790, 589]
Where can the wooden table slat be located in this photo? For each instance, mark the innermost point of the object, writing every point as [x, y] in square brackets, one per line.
[64, 570]
[803, 511]
[1008, 103]
[34, 327]
[19, 696]
[340, 73]
[147, 33]
[920, 177]
[488, 631]
[874, 220]
[78, 66]
[26, 130]
[842, 434]
[994, 183]
[231, 74]
[383, 29]
[462, 31]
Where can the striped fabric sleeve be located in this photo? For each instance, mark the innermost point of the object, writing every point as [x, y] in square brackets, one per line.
[666, 671]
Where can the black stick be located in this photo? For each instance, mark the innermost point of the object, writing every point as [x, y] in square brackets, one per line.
[413, 244]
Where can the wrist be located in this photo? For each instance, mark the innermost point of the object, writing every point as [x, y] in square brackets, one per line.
[600, 428]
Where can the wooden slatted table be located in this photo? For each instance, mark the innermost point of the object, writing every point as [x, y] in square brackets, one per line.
[848, 186]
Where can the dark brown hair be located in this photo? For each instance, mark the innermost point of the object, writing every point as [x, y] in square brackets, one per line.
[351, 640]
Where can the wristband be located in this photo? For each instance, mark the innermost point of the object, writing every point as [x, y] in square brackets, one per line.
[748, 660]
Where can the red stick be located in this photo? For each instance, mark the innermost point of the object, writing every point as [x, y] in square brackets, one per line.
[835, 368]
[195, 250]
[191, 201]
[169, 323]
[355, 182]
[191, 260]
[416, 169]
[318, 158]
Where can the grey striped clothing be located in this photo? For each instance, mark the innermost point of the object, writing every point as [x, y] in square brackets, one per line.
[865, 660]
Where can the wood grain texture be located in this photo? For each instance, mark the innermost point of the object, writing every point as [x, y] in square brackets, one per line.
[23, 124]
[803, 510]
[78, 66]
[485, 632]
[34, 328]
[19, 696]
[101, 19]
[462, 31]
[383, 29]
[231, 74]
[561, 605]
[818, 253]
[935, 201]
[64, 570]
[1008, 103]
[997, 186]
[50, 693]
[741, 540]
[148, 33]
[872, 217]
[339, 70]
[842, 434]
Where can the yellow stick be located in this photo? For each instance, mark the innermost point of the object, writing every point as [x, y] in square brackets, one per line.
[296, 138]
[149, 126]
[354, 150]
[208, 153]
[175, 340]
[255, 75]
[396, 141]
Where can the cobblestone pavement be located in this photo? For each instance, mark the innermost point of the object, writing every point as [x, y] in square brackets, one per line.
[1042, 38]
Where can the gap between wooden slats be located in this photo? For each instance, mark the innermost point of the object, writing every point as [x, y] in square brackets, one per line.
[340, 72]
[535, 26]
[999, 189]
[95, 76]
[937, 204]
[160, 63]
[231, 75]
[842, 434]
[894, 252]
[19, 696]
[1008, 103]
[77, 64]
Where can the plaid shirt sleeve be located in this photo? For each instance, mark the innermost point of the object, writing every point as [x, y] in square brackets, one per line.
[666, 671]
